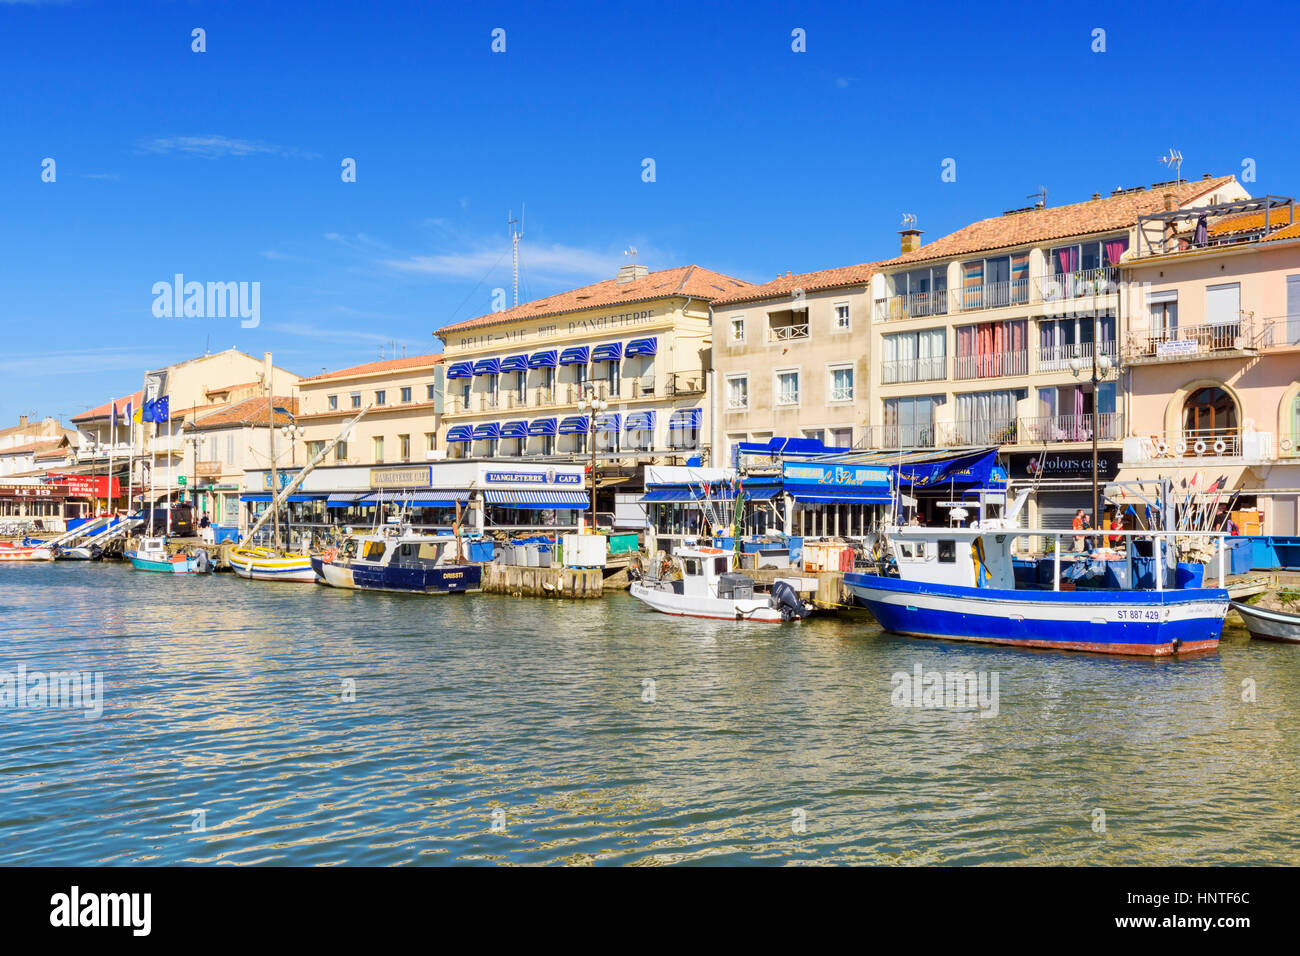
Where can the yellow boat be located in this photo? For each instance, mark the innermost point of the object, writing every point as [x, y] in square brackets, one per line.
[265, 564]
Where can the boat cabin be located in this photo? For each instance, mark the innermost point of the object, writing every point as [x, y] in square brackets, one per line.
[408, 550]
[706, 572]
[965, 557]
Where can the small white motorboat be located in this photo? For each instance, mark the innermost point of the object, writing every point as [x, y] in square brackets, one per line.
[698, 582]
[1269, 624]
[24, 552]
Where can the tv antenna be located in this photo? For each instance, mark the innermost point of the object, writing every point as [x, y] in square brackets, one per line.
[1041, 196]
[1175, 162]
[909, 221]
[630, 251]
[515, 235]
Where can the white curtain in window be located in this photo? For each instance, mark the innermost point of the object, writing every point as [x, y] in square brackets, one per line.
[1223, 304]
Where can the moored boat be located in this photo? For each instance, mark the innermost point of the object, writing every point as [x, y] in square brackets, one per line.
[23, 552]
[699, 583]
[267, 564]
[414, 563]
[152, 555]
[1269, 624]
[959, 584]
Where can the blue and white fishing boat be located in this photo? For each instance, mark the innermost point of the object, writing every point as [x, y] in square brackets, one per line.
[959, 583]
[406, 561]
[152, 555]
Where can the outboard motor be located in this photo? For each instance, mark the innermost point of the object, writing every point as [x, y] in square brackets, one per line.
[203, 563]
[786, 599]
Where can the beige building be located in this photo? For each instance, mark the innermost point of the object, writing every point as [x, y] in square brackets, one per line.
[791, 359]
[640, 341]
[235, 439]
[986, 337]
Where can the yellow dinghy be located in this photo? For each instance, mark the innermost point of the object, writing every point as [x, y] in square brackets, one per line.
[264, 564]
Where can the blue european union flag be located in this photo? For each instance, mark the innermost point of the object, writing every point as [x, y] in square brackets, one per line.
[161, 410]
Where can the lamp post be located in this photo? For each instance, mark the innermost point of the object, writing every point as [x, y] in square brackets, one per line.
[592, 406]
[291, 432]
[1101, 365]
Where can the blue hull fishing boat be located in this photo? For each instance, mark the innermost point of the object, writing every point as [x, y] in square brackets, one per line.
[959, 583]
[413, 563]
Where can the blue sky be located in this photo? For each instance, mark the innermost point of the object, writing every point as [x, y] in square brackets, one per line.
[225, 165]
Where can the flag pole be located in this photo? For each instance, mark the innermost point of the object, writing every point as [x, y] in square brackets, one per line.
[112, 440]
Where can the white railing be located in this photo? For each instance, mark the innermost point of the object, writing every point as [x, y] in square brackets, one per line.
[994, 295]
[1046, 429]
[914, 370]
[1190, 340]
[913, 305]
[787, 333]
[1200, 443]
[1073, 285]
[1057, 358]
[991, 365]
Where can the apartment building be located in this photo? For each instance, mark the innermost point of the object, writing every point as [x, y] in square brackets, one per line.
[234, 440]
[986, 337]
[791, 359]
[1212, 355]
[639, 342]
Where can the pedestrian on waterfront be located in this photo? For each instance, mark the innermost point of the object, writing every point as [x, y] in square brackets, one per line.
[1117, 524]
[1078, 524]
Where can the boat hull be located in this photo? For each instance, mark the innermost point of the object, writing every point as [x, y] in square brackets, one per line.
[254, 566]
[178, 565]
[1138, 623]
[718, 609]
[446, 579]
[1268, 625]
[11, 553]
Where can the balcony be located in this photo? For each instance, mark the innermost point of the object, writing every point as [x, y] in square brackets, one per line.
[1147, 345]
[1198, 444]
[914, 370]
[914, 305]
[994, 432]
[1056, 429]
[897, 436]
[991, 365]
[1057, 358]
[994, 295]
[684, 383]
[1060, 286]
[787, 332]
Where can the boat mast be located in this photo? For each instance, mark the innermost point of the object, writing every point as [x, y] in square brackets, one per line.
[270, 430]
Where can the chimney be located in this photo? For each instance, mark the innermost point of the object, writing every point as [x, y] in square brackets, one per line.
[22, 421]
[911, 240]
[1170, 202]
[631, 272]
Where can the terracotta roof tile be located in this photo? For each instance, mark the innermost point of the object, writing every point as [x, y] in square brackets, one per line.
[1289, 232]
[372, 368]
[251, 411]
[1041, 225]
[690, 281]
[102, 411]
[807, 281]
[36, 447]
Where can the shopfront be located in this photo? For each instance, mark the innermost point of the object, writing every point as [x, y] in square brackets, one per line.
[836, 500]
[1061, 483]
[40, 507]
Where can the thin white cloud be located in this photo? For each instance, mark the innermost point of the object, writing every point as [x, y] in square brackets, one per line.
[342, 336]
[551, 262]
[216, 147]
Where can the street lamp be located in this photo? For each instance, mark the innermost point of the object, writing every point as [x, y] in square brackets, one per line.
[1101, 366]
[592, 406]
[290, 432]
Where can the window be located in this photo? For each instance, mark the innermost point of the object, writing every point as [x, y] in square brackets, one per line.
[1074, 269]
[464, 392]
[947, 552]
[356, 399]
[406, 394]
[919, 293]
[842, 317]
[230, 449]
[381, 397]
[492, 391]
[787, 388]
[842, 437]
[991, 283]
[815, 434]
[580, 375]
[992, 349]
[737, 391]
[430, 441]
[691, 567]
[909, 422]
[404, 443]
[428, 393]
[1061, 340]
[341, 451]
[333, 401]
[914, 356]
[1223, 304]
[548, 444]
[1163, 309]
[612, 377]
[841, 383]
[521, 384]
[738, 329]
[1210, 411]
[987, 418]
[314, 448]
[379, 448]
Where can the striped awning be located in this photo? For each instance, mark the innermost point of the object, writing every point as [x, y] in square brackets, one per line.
[537, 499]
[342, 501]
[460, 370]
[686, 418]
[574, 425]
[545, 359]
[515, 363]
[515, 429]
[639, 421]
[425, 498]
[542, 426]
[460, 433]
[607, 423]
[487, 431]
[643, 346]
[576, 355]
[489, 366]
[292, 498]
[609, 352]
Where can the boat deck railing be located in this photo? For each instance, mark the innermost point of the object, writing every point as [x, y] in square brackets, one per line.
[1157, 537]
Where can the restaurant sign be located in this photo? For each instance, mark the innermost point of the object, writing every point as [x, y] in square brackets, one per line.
[282, 479]
[851, 476]
[548, 477]
[408, 476]
[89, 486]
[33, 491]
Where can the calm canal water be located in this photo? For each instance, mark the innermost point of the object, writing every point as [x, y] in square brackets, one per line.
[225, 696]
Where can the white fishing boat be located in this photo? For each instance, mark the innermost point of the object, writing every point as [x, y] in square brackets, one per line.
[152, 555]
[24, 552]
[699, 583]
[1269, 624]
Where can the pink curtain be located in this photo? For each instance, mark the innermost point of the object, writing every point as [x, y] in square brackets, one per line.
[1065, 259]
[1114, 249]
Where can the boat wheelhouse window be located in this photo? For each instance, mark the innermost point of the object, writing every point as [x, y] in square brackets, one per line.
[350, 549]
[909, 551]
[719, 565]
[374, 550]
[691, 566]
[947, 552]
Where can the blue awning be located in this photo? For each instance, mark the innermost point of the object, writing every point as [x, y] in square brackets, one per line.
[844, 497]
[487, 431]
[425, 498]
[971, 469]
[516, 429]
[515, 363]
[542, 426]
[537, 499]
[661, 495]
[642, 346]
[609, 352]
[543, 359]
[460, 433]
[608, 423]
[255, 498]
[460, 370]
[341, 501]
[686, 418]
[576, 355]
[489, 366]
[639, 421]
[292, 498]
[574, 425]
